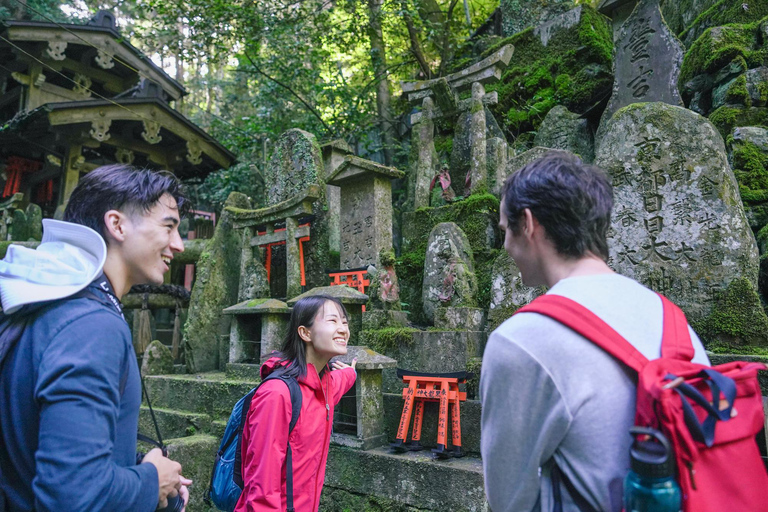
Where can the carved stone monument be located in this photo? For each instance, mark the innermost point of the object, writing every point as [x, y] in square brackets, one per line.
[647, 62]
[366, 210]
[678, 224]
[449, 273]
[424, 160]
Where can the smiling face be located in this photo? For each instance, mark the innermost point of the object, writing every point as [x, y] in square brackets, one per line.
[151, 241]
[328, 335]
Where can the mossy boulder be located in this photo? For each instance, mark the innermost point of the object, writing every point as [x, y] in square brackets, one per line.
[679, 225]
[216, 287]
[157, 360]
[449, 270]
[508, 293]
[572, 68]
[727, 118]
[563, 129]
[696, 16]
[737, 317]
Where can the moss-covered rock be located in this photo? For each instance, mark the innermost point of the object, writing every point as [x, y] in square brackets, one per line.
[216, 285]
[727, 118]
[736, 319]
[572, 69]
[719, 46]
[720, 13]
[477, 216]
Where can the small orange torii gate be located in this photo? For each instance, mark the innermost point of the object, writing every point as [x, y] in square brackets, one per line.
[432, 387]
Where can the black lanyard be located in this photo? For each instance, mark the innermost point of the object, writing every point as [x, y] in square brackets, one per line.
[97, 290]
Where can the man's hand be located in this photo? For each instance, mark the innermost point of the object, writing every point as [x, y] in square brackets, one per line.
[168, 476]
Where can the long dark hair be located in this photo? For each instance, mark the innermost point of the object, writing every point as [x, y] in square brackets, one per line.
[294, 349]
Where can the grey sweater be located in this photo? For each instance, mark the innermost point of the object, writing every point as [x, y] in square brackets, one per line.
[550, 396]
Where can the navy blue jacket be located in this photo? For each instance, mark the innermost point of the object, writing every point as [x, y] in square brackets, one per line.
[70, 393]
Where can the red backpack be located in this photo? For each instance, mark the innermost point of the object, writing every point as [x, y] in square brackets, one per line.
[711, 415]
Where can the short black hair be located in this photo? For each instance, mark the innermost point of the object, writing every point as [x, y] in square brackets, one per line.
[570, 199]
[120, 187]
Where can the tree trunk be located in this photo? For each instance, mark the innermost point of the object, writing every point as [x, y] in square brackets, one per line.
[416, 49]
[379, 61]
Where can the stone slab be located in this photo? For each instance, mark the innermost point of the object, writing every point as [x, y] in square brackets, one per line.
[646, 63]
[367, 359]
[412, 479]
[258, 307]
[379, 319]
[679, 225]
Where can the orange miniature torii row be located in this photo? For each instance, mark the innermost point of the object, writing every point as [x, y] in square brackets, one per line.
[433, 387]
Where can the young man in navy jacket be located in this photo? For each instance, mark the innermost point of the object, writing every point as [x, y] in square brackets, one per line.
[70, 387]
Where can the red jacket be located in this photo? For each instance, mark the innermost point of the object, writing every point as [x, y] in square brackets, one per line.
[265, 440]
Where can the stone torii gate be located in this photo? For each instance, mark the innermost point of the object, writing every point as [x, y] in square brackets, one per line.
[440, 98]
[288, 212]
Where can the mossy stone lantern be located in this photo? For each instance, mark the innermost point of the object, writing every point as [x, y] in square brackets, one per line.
[359, 417]
[258, 328]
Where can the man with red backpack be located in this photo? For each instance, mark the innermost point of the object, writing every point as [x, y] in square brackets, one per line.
[555, 405]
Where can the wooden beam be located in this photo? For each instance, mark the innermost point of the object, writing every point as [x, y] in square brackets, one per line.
[102, 41]
[140, 113]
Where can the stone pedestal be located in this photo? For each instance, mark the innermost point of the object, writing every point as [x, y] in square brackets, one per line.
[369, 399]
[353, 302]
[258, 328]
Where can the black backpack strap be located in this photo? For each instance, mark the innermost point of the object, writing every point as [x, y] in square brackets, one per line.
[558, 478]
[296, 402]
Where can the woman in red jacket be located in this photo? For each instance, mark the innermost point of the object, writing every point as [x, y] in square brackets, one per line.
[317, 332]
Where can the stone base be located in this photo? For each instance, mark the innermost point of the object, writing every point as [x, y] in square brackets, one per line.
[412, 479]
[380, 319]
[470, 319]
[355, 442]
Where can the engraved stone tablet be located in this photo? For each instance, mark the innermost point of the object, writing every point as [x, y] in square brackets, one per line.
[678, 224]
[647, 62]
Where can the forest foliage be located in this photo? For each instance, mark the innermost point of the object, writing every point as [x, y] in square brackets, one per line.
[255, 68]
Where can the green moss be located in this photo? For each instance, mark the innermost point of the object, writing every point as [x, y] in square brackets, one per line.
[750, 164]
[389, 340]
[256, 302]
[444, 145]
[737, 318]
[716, 48]
[572, 70]
[727, 118]
[474, 215]
[720, 348]
[737, 92]
[726, 11]
[474, 365]
[339, 500]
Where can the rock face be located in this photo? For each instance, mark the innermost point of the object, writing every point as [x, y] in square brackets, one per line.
[562, 129]
[647, 62]
[216, 287]
[296, 163]
[678, 225]
[508, 293]
[449, 273]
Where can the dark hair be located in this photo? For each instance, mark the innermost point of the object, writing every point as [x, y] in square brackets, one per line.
[120, 187]
[294, 349]
[570, 199]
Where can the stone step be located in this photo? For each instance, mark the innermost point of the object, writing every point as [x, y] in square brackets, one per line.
[213, 394]
[196, 454]
[174, 423]
[414, 479]
[243, 371]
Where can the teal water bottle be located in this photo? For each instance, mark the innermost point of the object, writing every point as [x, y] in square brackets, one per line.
[650, 485]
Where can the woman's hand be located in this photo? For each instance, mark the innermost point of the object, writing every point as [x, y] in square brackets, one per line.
[338, 365]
